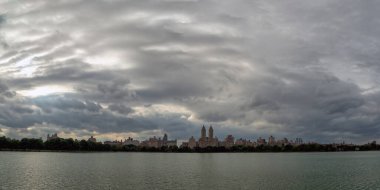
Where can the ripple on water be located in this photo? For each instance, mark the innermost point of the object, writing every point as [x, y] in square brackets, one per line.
[355, 170]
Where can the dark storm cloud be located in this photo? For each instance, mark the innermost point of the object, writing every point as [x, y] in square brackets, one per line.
[47, 103]
[2, 19]
[74, 114]
[122, 109]
[5, 92]
[2, 42]
[214, 117]
[289, 68]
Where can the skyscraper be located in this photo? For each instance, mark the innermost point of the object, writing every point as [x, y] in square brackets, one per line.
[192, 142]
[203, 132]
[271, 140]
[210, 133]
[165, 139]
[209, 140]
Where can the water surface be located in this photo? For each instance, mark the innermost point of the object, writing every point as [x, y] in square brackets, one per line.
[39, 170]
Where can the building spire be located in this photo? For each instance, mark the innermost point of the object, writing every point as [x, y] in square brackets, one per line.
[165, 137]
[203, 132]
[210, 133]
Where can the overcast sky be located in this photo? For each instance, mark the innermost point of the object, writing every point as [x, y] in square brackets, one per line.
[119, 68]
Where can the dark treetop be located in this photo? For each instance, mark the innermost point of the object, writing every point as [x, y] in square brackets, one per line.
[60, 144]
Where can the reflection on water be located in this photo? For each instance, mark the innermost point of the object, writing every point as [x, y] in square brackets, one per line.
[348, 170]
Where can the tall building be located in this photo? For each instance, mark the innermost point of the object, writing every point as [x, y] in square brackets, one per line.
[271, 140]
[210, 133]
[298, 141]
[192, 142]
[203, 132]
[242, 142]
[131, 141]
[261, 141]
[92, 139]
[53, 136]
[204, 141]
[229, 141]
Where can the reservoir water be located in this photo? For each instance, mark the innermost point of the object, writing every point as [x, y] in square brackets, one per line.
[48, 170]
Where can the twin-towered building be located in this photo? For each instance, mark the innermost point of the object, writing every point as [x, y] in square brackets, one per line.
[206, 140]
[209, 140]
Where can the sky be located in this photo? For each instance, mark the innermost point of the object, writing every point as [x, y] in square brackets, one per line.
[250, 68]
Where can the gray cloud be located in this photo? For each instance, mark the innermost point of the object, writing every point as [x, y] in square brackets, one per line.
[250, 68]
[47, 103]
[122, 109]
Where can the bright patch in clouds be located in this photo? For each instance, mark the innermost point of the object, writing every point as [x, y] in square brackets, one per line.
[45, 90]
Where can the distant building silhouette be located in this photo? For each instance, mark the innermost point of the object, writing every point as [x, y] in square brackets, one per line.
[53, 136]
[229, 141]
[271, 140]
[299, 141]
[203, 132]
[158, 142]
[114, 143]
[261, 141]
[92, 139]
[131, 141]
[192, 142]
[244, 142]
[207, 141]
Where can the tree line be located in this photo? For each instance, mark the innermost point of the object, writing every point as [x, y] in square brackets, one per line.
[60, 144]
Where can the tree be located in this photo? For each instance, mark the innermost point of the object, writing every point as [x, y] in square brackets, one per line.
[35, 144]
[4, 142]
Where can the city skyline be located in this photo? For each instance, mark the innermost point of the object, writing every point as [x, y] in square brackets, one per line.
[206, 139]
[206, 143]
[266, 138]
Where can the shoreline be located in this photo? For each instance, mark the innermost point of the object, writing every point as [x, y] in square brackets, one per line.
[70, 151]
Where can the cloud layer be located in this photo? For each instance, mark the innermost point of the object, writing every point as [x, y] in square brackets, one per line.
[250, 68]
